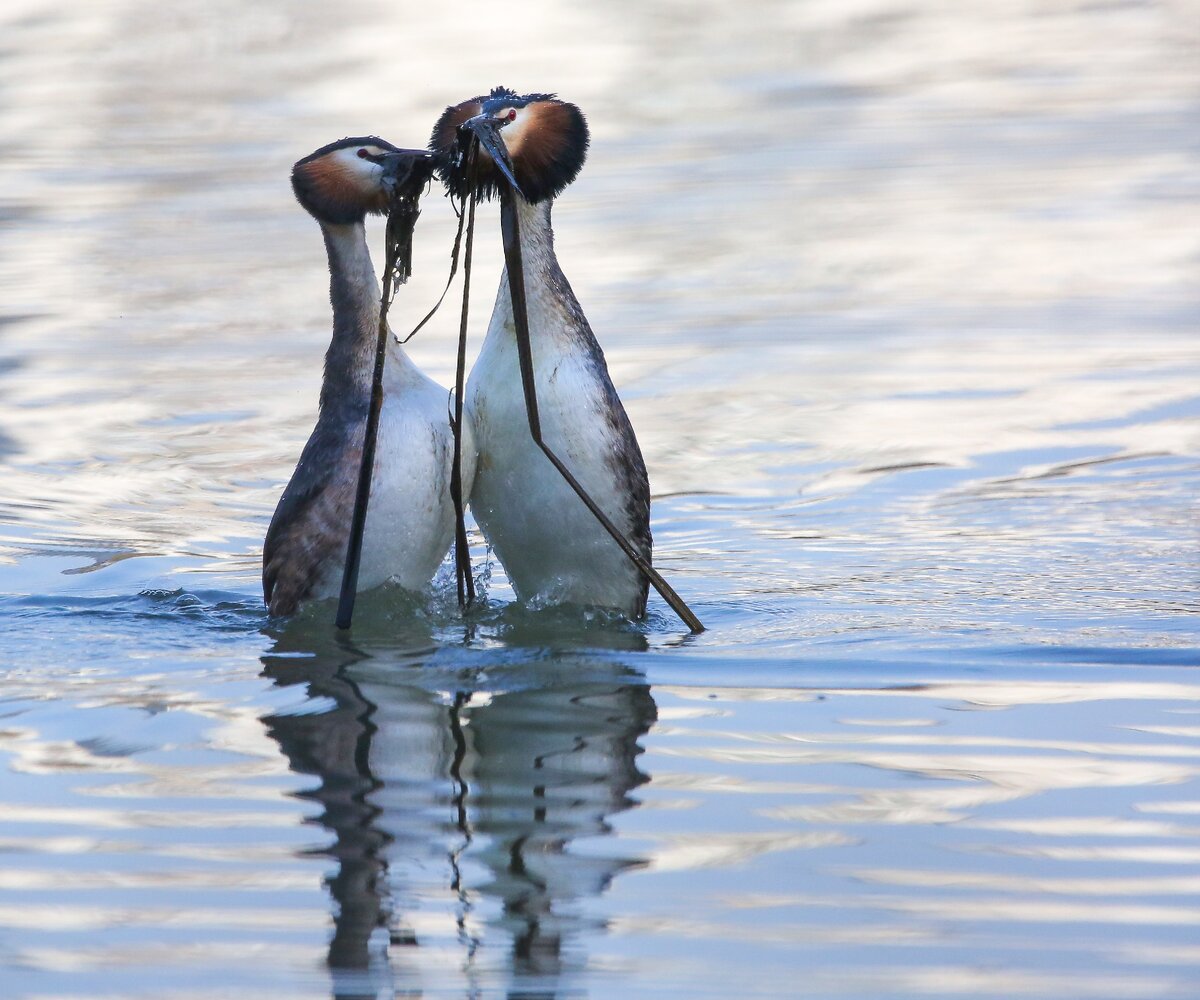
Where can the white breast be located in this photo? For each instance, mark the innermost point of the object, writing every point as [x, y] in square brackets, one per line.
[410, 518]
[552, 547]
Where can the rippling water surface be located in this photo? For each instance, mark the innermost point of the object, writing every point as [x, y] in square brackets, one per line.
[902, 300]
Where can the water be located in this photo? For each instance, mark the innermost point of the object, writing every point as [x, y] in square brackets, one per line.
[902, 302]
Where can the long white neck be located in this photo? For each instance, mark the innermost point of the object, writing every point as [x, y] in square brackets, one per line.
[554, 311]
[354, 294]
[537, 235]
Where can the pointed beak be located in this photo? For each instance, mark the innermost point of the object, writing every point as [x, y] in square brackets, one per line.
[487, 130]
[405, 167]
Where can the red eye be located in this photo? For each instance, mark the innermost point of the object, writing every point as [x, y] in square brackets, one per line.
[363, 154]
[512, 115]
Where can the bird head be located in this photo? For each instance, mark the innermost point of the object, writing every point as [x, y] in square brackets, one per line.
[544, 141]
[342, 182]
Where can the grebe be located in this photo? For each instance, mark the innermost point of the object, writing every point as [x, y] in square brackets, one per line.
[410, 520]
[550, 544]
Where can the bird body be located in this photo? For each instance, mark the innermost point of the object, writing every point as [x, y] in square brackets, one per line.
[410, 519]
[552, 547]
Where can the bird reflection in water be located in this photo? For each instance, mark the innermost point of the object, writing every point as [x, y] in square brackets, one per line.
[453, 813]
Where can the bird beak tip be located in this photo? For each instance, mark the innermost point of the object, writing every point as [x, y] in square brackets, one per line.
[402, 165]
[486, 129]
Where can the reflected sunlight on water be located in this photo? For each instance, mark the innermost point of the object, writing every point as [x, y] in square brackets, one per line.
[901, 299]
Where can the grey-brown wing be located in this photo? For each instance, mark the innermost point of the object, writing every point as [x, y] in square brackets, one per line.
[629, 469]
[311, 525]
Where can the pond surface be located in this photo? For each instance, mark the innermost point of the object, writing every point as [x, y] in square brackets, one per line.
[901, 298]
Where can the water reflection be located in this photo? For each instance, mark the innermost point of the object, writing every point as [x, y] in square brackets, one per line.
[457, 809]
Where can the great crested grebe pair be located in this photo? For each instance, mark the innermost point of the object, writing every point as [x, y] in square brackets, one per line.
[552, 547]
